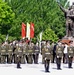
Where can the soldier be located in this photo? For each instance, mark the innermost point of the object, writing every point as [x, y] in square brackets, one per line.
[9, 53]
[42, 52]
[24, 52]
[36, 53]
[30, 52]
[59, 54]
[19, 53]
[3, 53]
[47, 56]
[54, 52]
[70, 54]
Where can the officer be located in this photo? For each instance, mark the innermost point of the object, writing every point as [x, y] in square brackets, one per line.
[47, 56]
[70, 54]
[59, 54]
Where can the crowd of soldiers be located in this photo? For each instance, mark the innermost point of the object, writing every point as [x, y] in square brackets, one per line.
[25, 51]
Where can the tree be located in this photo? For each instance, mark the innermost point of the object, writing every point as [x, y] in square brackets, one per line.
[48, 34]
[6, 17]
[43, 13]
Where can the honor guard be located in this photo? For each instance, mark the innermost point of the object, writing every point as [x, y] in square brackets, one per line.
[3, 53]
[30, 52]
[36, 53]
[70, 55]
[24, 53]
[19, 55]
[59, 55]
[47, 56]
[42, 52]
[9, 53]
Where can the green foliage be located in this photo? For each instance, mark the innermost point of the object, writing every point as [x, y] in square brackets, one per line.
[2, 38]
[48, 34]
[6, 17]
[43, 13]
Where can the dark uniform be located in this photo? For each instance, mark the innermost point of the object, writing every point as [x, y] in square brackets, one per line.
[70, 56]
[59, 54]
[54, 53]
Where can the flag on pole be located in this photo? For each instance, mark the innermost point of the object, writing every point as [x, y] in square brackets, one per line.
[28, 31]
[31, 30]
[23, 30]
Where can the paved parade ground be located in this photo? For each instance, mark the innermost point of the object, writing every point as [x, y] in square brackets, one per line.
[34, 69]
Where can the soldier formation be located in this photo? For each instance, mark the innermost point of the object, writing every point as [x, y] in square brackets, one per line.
[27, 52]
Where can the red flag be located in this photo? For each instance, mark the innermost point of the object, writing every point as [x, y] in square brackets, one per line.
[23, 30]
[31, 30]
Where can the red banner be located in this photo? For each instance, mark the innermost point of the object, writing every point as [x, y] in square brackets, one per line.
[31, 30]
[23, 30]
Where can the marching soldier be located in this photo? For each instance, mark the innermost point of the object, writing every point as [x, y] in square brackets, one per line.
[25, 52]
[3, 53]
[47, 56]
[59, 54]
[30, 52]
[36, 53]
[42, 52]
[19, 53]
[9, 53]
[70, 55]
